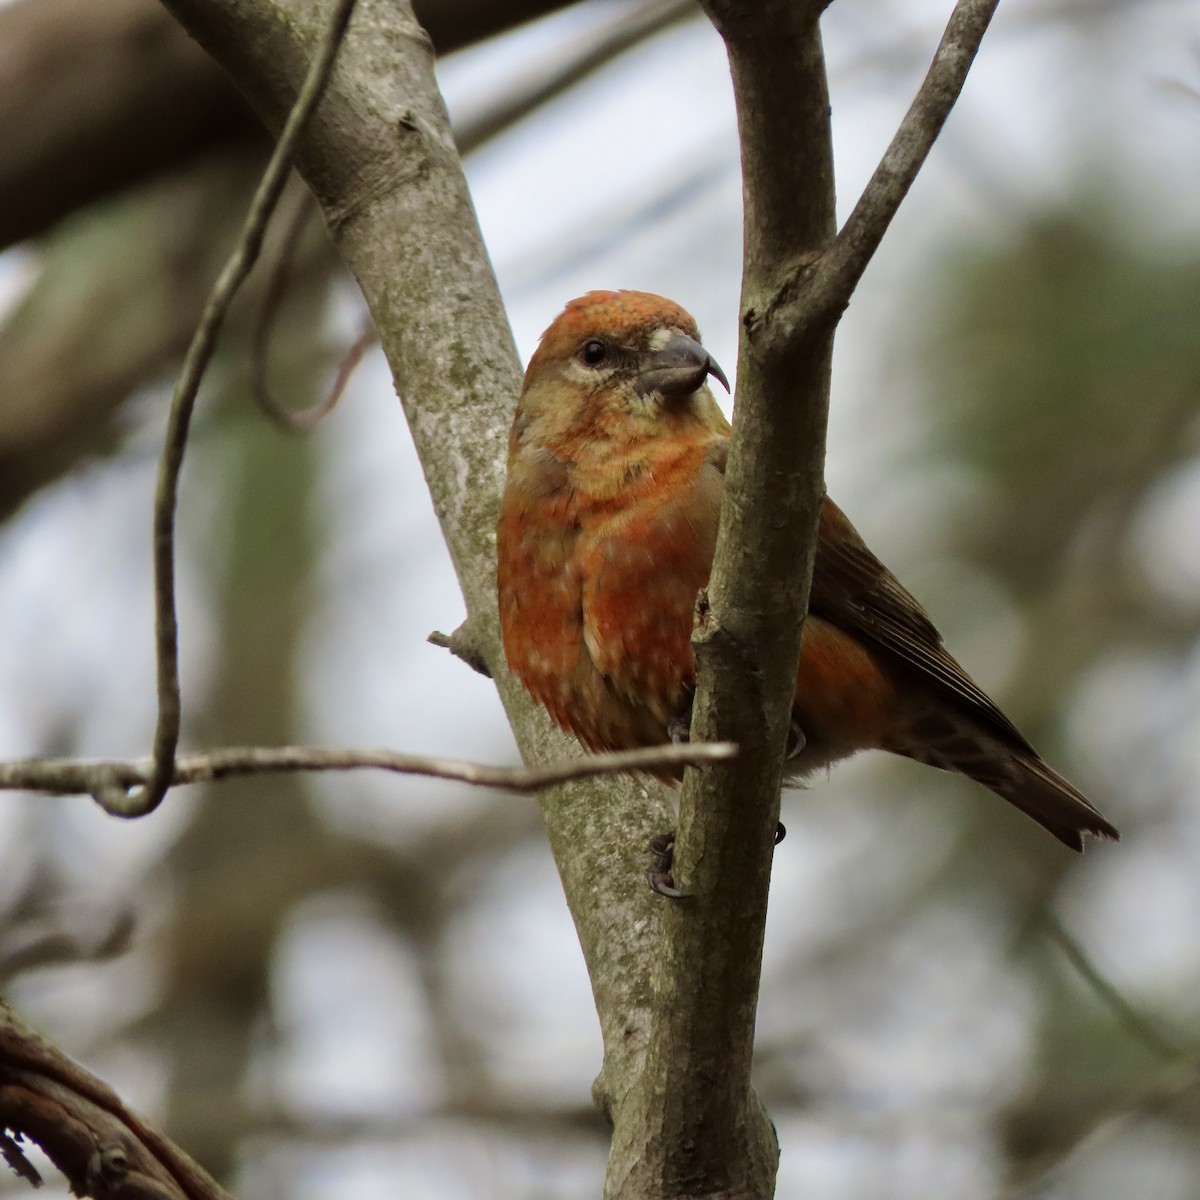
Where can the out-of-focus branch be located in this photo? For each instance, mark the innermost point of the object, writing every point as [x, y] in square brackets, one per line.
[131, 790]
[102, 1148]
[63, 376]
[288, 419]
[305, 420]
[110, 782]
[1170, 1085]
[1134, 1022]
[38, 943]
[115, 302]
[95, 98]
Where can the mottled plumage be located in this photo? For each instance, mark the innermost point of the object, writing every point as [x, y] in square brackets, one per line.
[607, 531]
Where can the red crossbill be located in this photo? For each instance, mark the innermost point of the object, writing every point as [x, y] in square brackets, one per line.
[607, 530]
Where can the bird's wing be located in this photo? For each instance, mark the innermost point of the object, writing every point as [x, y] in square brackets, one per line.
[853, 590]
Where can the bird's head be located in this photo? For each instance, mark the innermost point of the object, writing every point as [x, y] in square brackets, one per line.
[618, 365]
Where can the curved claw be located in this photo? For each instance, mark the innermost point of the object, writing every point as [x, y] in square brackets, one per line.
[780, 832]
[658, 873]
[662, 883]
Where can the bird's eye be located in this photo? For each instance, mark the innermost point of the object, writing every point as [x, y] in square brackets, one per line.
[594, 352]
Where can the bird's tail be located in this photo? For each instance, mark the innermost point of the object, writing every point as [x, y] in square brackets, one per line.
[1018, 775]
[1043, 794]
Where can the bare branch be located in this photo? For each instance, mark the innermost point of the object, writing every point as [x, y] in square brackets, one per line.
[695, 1116]
[274, 293]
[817, 290]
[166, 639]
[1170, 1085]
[76, 80]
[102, 1147]
[85, 336]
[464, 645]
[37, 943]
[111, 781]
[628, 31]
[20, 1165]
[381, 160]
[1135, 1023]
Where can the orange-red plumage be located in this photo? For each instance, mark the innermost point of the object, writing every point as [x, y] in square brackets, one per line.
[607, 531]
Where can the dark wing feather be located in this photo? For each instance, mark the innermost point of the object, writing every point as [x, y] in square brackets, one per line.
[853, 590]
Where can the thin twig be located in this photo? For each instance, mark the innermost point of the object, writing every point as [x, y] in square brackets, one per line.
[307, 419]
[111, 781]
[268, 311]
[1042, 919]
[818, 291]
[245, 254]
[1136, 1024]
[43, 943]
[368, 336]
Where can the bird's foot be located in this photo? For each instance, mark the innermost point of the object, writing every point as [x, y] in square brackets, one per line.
[658, 873]
[679, 727]
[662, 858]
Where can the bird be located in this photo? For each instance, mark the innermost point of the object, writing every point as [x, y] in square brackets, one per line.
[607, 530]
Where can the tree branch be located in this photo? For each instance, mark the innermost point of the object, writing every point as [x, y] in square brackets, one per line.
[274, 293]
[696, 1118]
[114, 304]
[96, 96]
[630, 29]
[1171, 1084]
[816, 290]
[695, 1124]
[103, 1148]
[30, 943]
[111, 781]
[380, 159]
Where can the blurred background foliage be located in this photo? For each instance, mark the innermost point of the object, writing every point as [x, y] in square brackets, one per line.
[334, 985]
